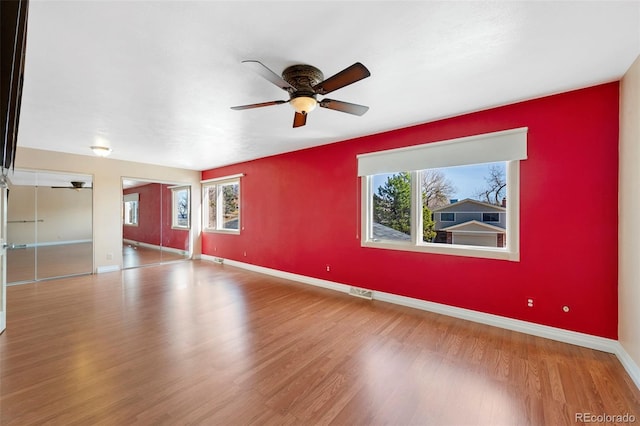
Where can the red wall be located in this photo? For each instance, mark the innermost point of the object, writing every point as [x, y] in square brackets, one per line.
[154, 220]
[301, 210]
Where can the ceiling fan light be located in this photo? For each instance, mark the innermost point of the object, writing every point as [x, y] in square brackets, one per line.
[101, 151]
[303, 104]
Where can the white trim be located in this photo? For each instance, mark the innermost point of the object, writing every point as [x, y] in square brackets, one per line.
[513, 209]
[223, 178]
[280, 274]
[107, 268]
[498, 253]
[628, 363]
[221, 231]
[506, 145]
[553, 333]
[416, 208]
[547, 332]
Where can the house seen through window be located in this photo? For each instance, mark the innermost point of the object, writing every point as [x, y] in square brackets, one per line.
[447, 208]
[456, 201]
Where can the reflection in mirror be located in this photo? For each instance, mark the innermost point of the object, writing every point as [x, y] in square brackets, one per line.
[49, 225]
[155, 223]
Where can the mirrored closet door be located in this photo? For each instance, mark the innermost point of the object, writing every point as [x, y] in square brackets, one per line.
[156, 222]
[49, 225]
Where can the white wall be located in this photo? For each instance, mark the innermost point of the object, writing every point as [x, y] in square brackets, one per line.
[629, 215]
[107, 193]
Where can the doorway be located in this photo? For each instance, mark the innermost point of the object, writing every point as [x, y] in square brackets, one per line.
[49, 225]
[156, 223]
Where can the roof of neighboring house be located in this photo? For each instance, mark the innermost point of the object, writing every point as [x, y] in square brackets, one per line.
[231, 224]
[385, 233]
[473, 226]
[469, 200]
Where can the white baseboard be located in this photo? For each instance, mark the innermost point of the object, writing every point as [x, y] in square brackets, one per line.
[155, 247]
[628, 363]
[107, 268]
[553, 333]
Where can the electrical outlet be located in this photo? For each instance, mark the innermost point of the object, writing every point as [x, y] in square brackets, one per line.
[328, 268]
[530, 303]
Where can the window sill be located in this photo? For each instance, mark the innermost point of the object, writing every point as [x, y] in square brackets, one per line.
[222, 231]
[448, 249]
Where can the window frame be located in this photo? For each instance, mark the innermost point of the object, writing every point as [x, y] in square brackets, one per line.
[510, 252]
[174, 207]
[133, 198]
[219, 183]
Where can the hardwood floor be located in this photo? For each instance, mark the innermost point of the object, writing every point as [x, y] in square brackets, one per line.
[200, 343]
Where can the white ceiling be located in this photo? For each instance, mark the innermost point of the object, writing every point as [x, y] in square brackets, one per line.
[155, 79]
[37, 178]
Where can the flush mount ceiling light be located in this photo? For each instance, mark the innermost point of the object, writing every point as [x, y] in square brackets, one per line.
[304, 83]
[101, 151]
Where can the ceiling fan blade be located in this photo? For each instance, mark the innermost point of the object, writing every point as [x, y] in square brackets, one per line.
[265, 72]
[347, 76]
[262, 104]
[347, 107]
[299, 120]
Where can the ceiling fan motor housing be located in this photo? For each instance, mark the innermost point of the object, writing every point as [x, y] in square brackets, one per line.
[303, 78]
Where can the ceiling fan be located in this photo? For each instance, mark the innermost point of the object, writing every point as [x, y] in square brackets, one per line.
[77, 185]
[304, 83]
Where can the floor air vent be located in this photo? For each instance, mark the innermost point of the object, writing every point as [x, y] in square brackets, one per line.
[361, 292]
[218, 260]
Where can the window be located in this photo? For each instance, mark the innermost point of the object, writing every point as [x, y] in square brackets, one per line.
[491, 217]
[130, 211]
[221, 204]
[180, 207]
[434, 197]
[448, 217]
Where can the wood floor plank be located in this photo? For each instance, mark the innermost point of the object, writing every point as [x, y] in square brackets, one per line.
[200, 343]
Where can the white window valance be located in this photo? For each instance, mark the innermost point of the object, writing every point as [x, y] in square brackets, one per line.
[223, 178]
[507, 145]
[131, 197]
